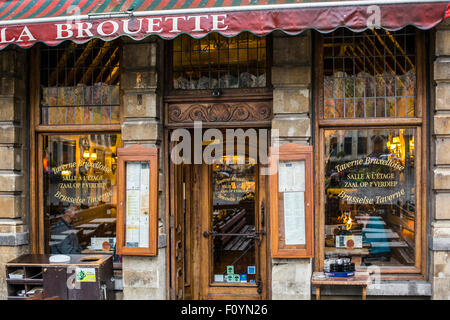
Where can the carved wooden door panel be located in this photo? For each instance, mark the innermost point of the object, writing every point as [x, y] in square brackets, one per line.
[177, 233]
[220, 112]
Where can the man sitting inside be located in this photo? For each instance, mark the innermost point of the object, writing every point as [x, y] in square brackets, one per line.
[68, 245]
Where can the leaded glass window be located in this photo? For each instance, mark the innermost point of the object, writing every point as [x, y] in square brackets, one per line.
[369, 74]
[80, 83]
[219, 62]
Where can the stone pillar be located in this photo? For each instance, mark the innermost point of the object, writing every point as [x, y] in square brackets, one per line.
[440, 227]
[144, 277]
[14, 149]
[291, 79]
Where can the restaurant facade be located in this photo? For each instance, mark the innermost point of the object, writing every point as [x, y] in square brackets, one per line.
[230, 149]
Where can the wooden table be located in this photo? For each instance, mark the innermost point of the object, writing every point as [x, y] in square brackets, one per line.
[361, 279]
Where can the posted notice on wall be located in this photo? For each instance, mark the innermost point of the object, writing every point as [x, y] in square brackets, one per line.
[291, 176]
[294, 218]
[291, 182]
[137, 204]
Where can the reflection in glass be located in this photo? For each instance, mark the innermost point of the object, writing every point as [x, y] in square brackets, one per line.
[370, 196]
[79, 188]
[234, 256]
[376, 66]
[80, 83]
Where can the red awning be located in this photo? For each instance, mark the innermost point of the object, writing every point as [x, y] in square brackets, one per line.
[26, 22]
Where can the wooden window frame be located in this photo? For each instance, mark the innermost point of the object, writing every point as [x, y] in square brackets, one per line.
[37, 132]
[292, 152]
[137, 153]
[175, 95]
[419, 122]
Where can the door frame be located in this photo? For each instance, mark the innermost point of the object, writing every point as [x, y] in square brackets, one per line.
[173, 204]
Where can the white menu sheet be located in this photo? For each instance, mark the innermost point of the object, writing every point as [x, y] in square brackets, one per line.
[144, 202]
[294, 218]
[137, 200]
[291, 176]
[133, 175]
[132, 219]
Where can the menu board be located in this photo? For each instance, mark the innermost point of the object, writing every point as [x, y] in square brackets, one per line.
[294, 218]
[137, 204]
[291, 203]
[291, 183]
[291, 176]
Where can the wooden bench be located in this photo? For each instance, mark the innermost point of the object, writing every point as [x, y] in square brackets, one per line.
[234, 224]
[361, 279]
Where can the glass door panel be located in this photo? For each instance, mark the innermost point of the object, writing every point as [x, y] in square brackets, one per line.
[234, 245]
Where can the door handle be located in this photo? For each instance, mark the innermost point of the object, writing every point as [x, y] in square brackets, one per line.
[263, 211]
[206, 234]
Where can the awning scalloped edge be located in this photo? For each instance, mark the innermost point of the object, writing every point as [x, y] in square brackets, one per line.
[260, 23]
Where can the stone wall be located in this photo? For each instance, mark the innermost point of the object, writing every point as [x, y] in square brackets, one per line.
[291, 79]
[144, 277]
[14, 150]
[440, 227]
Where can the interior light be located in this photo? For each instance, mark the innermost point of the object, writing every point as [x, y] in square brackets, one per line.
[93, 156]
[86, 154]
[411, 143]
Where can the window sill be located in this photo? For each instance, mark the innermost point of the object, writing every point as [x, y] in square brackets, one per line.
[399, 288]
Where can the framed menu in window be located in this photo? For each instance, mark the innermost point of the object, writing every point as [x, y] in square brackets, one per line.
[291, 192]
[137, 221]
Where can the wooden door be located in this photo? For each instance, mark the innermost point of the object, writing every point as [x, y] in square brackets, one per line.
[176, 233]
[185, 254]
[232, 242]
[218, 231]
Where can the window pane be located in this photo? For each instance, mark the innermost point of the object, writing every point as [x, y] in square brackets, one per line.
[80, 83]
[370, 195]
[233, 204]
[79, 186]
[372, 64]
[219, 62]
